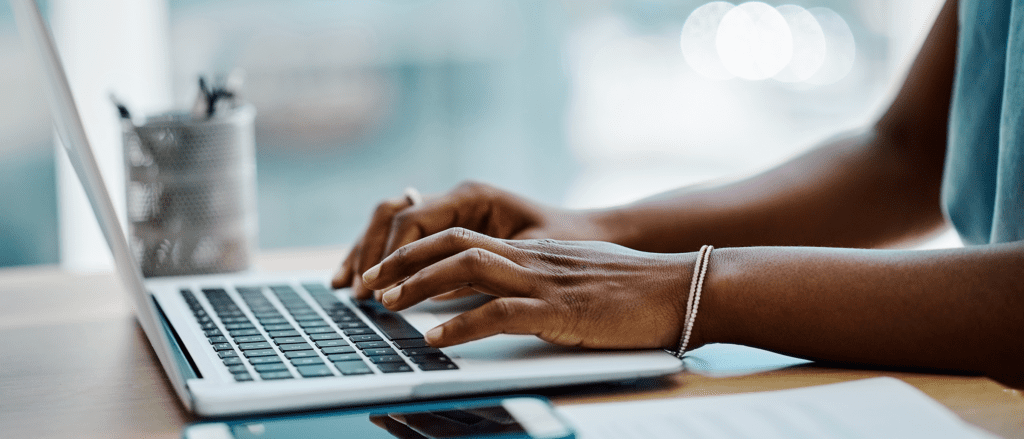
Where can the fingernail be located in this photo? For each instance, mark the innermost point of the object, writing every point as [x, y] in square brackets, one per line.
[391, 296]
[371, 274]
[434, 335]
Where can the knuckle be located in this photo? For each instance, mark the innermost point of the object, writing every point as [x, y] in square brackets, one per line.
[475, 260]
[471, 186]
[476, 190]
[400, 256]
[459, 236]
[502, 310]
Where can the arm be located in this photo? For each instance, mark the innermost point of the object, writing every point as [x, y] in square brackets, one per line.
[872, 189]
[958, 309]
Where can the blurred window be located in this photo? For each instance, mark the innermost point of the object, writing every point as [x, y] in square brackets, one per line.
[574, 103]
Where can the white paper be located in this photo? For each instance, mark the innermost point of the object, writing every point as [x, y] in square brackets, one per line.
[872, 408]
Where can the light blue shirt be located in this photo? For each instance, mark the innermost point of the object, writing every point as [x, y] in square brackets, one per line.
[983, 187]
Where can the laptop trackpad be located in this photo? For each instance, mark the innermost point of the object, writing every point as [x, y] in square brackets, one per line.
[499, 348]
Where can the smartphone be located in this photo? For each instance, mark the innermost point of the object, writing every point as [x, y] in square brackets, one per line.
[512, 418]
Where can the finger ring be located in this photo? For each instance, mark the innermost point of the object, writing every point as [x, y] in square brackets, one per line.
[413, 196]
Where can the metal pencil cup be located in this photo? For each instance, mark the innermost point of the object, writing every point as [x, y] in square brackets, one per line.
[192, 192]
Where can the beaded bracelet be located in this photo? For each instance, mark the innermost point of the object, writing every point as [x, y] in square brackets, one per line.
[700, 268]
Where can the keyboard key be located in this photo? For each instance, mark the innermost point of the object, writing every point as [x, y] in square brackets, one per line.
[367, 337]
[420, 351]
[260, 353]
[278, 327]
[285, 333]
[270, 367]
[287, 340]
[238, 368]
[432, 358]
[358, 331]
[379, 351]
[314, 371]
[390, 323]
[436, 366]
[326, 336]
[282, 375]
[411, 343]
[316, 288]
[241, 332]
[234, 320]
[243, 377]
[226, 354]
[249, 339]
[251, 346]
[232, 361]
[346, 318]
[264, 360]
[352, 325]
[207, 324]
[330, 343]
[386, 359]
[372, 345]
[218, 339]
[394, 367]
[212, 332]
[295, 347]
[320, 330]
[222, 346]
[344, 357]
[300, 354]
[312, 323]
[273, 321]
[338, 350]
[312, 316]
[245, 325]
[307, 361]
[353, 367]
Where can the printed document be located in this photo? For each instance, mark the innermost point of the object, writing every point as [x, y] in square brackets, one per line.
[871, 408]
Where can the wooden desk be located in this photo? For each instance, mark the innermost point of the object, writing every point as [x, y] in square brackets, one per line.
[73, 363]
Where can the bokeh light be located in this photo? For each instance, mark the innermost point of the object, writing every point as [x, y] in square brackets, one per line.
[841, 50]
[755, 41]
[698, 40]
[808, 45]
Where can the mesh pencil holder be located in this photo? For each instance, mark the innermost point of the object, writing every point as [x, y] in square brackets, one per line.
[191, 192]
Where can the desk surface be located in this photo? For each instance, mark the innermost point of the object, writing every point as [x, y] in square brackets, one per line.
[73, 362]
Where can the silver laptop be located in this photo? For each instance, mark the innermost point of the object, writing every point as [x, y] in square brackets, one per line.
[254, 343]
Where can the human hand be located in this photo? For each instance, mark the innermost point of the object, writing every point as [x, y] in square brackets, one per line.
[474, 206]
[589, 294]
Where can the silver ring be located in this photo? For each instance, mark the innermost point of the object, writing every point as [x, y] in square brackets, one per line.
[413, 196]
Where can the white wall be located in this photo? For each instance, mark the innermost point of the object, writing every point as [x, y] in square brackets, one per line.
[107, 46]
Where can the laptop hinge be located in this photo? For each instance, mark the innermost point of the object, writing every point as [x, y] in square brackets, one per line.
[186, 364]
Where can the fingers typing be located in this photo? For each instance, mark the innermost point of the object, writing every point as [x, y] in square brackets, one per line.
[476, 268]
[409, 259]
[509, 315]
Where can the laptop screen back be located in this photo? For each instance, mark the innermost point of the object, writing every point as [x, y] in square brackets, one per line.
[72, 135]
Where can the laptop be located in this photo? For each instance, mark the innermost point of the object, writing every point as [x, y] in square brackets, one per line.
[255, 342]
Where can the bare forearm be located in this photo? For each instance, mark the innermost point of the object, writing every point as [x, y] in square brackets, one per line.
[957, 309]
[869, 190]
[853, 192]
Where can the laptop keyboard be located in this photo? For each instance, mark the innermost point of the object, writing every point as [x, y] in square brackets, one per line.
[299, 342]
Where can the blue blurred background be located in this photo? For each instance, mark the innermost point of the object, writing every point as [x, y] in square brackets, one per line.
[573, 103]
